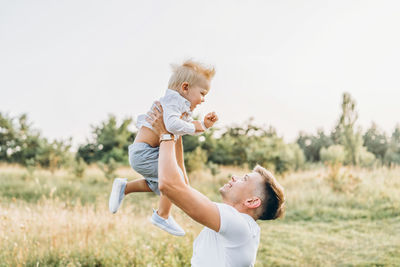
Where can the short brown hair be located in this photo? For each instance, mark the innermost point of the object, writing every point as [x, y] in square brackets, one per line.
[191, 72]
[273, 201]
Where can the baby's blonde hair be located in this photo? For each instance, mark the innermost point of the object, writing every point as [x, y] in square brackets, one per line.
[191, 72]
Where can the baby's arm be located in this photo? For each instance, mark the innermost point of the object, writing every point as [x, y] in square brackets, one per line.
[208, 121]
[199, 126]
[175, 125]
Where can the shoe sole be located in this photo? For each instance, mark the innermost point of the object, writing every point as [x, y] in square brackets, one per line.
[165, 228]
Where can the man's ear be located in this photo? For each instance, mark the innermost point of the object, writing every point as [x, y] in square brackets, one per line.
[185, 87]
[253, 202]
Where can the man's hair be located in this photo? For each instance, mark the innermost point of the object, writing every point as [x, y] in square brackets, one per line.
[191, 72]
[273, 199]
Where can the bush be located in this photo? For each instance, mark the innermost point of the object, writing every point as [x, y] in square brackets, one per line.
[341, 181]
[333, 155]
[296, 157]
[214, 168]
[376, 141]
[268, 153]
[23, 144]
[367, 159]
[272, 153]
[110, 140]
[79, 167]
[312, 144]
[108, 168]
[392, 157]
[195, 160]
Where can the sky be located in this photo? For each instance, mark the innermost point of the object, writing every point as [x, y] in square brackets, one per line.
[69, 64]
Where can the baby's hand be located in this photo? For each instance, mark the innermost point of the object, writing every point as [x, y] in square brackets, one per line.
[210, 119]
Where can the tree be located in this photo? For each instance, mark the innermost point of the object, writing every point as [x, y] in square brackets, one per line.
[54, 154]
[110, 141]
[21, 143]
[311, 145]
[392, 155]
[376, 141]
[350, 138]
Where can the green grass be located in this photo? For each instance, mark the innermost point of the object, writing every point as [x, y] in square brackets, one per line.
[59, 220]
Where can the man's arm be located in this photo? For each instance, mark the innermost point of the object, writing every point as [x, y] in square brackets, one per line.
[192, 202]
[179, 158]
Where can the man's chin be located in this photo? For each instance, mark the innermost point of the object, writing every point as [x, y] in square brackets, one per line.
[222, 191]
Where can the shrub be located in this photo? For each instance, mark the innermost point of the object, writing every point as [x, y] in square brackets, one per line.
[214, 168]
[79, 167]
[312, 144]
[195, 160]
[392, 157]
[367, 159]
[333, 155]
[297, 157]
[341, 181]
[108, 168]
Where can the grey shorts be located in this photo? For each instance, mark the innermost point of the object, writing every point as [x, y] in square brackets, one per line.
[144, 160]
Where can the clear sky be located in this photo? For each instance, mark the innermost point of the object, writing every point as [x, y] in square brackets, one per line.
[68, 64]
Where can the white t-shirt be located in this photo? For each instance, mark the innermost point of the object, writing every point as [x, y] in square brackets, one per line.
[174, 105]
[235, 244]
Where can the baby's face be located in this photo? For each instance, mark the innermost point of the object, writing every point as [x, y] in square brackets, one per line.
[196, 95]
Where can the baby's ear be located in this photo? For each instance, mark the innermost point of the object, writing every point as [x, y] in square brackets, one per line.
[185, 87]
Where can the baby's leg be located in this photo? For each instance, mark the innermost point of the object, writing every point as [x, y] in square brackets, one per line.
[138, 185]
[164, 207]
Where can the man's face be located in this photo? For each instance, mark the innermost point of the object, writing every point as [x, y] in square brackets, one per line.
[238, 189]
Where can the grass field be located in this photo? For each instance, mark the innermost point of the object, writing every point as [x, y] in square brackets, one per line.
[60, 220]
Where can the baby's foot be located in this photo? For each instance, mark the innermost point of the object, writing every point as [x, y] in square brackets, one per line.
[168, 225]
[117, 194]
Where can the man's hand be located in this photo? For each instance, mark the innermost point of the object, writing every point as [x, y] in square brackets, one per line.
[155, 118]
[210, 119]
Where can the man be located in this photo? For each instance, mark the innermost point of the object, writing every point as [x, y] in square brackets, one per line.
[231, 235]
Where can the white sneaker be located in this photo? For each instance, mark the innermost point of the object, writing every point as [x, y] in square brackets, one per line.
[169, 225]
[117, 194]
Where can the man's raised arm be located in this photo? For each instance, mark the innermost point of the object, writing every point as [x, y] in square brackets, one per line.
[170, 183]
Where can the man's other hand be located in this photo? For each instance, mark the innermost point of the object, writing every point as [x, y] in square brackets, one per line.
[155, 118]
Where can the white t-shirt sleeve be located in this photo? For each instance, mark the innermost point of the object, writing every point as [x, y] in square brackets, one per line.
[173, 122]
[233, 227]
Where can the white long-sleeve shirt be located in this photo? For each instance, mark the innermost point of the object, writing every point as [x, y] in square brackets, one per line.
[174, 105]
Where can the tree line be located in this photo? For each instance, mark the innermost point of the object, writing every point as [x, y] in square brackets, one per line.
[245, 144]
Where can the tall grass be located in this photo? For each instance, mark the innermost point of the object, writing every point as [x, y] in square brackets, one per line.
[59, 220]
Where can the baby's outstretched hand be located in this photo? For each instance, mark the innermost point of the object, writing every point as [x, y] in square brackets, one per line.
[210, 119]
